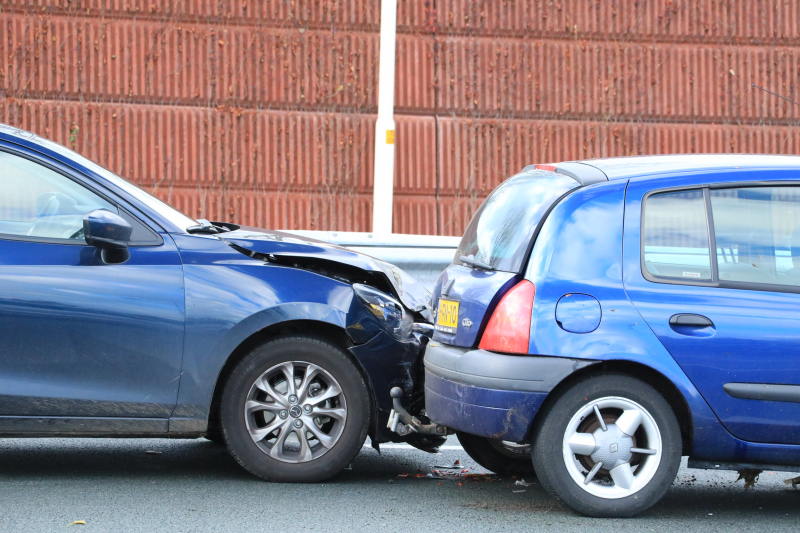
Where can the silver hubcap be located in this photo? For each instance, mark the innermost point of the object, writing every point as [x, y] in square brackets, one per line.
[612, 447]
[295, 412]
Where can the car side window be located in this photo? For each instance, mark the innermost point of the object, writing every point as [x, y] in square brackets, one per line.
[757, 232]
[676, 236]
[38, 202]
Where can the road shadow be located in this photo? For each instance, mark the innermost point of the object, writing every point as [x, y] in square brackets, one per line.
[400, 475]
[104, 458]
[169, 458]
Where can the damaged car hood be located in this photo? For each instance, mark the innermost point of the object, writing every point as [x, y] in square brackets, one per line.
[331, 260]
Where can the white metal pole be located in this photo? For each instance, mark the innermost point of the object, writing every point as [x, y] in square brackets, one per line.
[384, 127]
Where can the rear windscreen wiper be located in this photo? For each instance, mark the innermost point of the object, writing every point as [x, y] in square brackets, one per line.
[471, 261]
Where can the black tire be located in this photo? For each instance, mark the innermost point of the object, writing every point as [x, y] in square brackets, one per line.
[495, 457]
[215, 436]
[289, 349]
[548, 455]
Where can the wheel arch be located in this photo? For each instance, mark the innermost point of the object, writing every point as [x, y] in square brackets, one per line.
[647, 374]
[324, 331]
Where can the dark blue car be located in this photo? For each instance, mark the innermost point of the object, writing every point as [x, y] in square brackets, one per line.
[122, 317]
[618, 314]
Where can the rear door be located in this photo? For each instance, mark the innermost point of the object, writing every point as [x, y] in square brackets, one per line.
[712, 271]
[499, 236]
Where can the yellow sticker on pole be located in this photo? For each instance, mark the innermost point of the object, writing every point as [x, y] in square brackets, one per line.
[389, 136]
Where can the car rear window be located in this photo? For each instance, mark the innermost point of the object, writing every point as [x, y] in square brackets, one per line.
[502, 227]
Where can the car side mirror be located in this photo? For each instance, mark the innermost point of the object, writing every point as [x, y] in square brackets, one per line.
[110, 233]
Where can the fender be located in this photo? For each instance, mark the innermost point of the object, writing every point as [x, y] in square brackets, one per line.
[229, 297]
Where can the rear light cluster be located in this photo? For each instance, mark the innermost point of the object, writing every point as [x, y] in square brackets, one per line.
[509, 329]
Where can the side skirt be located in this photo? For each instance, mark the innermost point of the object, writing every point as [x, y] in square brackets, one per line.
[32, 426]
[711, 465]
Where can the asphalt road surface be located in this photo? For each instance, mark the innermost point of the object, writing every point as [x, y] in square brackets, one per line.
[194, 486]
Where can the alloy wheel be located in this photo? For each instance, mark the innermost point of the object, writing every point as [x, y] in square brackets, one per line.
[295, 412]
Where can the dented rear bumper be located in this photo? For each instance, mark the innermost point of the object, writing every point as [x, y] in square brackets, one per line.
[489, 394]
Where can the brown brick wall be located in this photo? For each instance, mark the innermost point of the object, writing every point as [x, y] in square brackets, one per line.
[262, 111]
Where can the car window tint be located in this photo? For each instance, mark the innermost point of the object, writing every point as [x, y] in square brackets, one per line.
[757, 230]
[676, 236]
[38, 202]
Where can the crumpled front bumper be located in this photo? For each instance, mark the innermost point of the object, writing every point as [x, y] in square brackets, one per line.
[489, 394]
[389, 363]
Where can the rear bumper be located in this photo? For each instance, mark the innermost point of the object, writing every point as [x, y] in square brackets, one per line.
[489, 394]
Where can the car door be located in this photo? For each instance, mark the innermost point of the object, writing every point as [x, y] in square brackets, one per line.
[79, 337]
[711, 270]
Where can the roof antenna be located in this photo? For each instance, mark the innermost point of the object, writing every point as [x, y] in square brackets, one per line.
[774, 94]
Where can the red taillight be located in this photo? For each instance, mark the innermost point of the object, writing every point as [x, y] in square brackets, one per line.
[551, 168]
[509, 329]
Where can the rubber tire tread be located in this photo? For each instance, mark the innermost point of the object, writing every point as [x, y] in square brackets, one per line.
[547, 452]
[215, 437]
[267, 355]
[482, 452]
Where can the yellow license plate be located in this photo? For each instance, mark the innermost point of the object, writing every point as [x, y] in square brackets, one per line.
[447, 316]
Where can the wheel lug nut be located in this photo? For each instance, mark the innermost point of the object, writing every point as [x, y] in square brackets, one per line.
[283, 414]
[307, 409]
[298, 423]
[292, 399]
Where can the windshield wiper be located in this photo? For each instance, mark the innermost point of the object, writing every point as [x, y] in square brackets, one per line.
[471, 261]
[206, 227]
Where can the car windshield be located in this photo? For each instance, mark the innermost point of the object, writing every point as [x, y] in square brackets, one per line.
[501, 230]
[170, 213]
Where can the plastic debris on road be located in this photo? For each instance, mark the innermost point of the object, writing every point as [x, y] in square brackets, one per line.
[522, 483]
[77, 523]
[793, 482]
[455, 472]
[455, 466]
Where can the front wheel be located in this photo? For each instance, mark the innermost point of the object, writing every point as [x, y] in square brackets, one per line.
[499, 456]
[295, 409]
[609, 446]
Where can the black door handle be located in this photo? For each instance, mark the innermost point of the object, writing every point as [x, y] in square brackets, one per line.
[693, 321]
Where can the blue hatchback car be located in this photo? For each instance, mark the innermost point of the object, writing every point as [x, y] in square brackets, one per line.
[617, 314]
[120, 316]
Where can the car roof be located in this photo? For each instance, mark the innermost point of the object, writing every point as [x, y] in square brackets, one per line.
[653, 165]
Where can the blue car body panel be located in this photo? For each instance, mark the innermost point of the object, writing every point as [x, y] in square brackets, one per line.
[138, 349]
[230, 297]
[476, 291]
[82, 338]
[755, 335]
[500, 414]
[590, 245]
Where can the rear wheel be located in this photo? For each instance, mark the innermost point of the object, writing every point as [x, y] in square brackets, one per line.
[501, 457]
[295, 409]
[609, 446]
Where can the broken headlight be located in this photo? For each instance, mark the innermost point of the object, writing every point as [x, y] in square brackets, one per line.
[389, 312]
